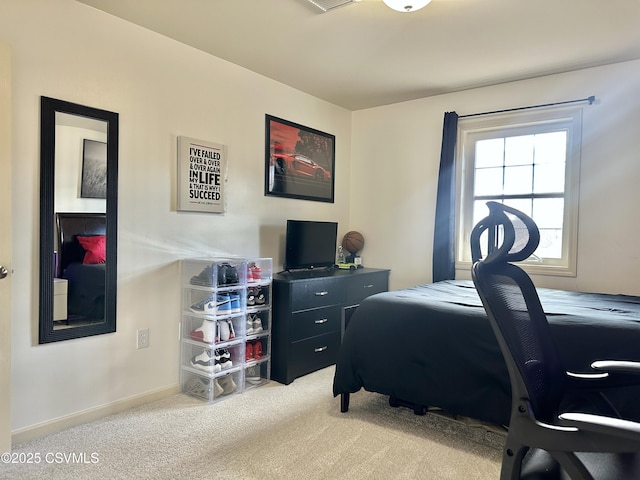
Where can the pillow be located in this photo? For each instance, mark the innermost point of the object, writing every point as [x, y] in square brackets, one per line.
[95, 249]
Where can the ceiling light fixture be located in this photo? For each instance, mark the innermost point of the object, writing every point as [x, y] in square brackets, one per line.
[406, 5]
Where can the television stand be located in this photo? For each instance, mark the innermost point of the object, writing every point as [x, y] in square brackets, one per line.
[311, 310]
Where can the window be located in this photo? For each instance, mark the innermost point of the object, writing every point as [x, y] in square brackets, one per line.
[529, 161]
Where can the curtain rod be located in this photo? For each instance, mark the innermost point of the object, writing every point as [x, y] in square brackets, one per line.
[590, 99]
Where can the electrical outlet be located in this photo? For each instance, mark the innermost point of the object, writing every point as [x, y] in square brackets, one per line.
[143, 338]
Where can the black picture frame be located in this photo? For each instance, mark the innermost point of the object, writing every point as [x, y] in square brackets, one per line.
[299, 161]
[94, 169]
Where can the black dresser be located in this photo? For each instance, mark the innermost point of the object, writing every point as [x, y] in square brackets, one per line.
[311, 309]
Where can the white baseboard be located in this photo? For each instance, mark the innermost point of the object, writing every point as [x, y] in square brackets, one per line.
[53, 426]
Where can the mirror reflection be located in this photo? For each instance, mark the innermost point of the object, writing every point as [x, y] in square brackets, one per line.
[80, 223]
[78, 220]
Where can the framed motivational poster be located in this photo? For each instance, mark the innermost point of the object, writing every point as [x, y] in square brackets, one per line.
[202, 168]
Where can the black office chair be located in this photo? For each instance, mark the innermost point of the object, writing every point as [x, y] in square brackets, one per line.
[544, 440]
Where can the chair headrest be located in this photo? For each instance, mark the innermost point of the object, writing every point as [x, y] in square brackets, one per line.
[512, 235]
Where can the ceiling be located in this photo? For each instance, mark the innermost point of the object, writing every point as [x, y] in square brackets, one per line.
[364, 54]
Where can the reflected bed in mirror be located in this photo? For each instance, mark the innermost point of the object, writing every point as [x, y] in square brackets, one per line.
[78, 220]
[80, 268]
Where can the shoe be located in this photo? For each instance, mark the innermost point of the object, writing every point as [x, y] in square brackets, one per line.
[256, 272]
[232, 332]
[252, 375]
[223, 328]
[257, 350]
[228, 385]
[204, 278]
[257, 324]
[204, 362]
[255, 296]
[217, 365]
[236, 306]
[202, 387]
[198, 386]
[227, 274]
[259, 297]
[205, 332]
[248, 352]
[205, 306]
[249, 329]
[225, 358]
[223, 304]
[217, 389]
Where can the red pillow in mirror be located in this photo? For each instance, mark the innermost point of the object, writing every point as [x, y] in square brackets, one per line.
[95, 249]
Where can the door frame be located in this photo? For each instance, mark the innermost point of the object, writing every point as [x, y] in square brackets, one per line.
[5, 247]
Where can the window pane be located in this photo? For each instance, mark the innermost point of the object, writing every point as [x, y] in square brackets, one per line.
[548, 212]
[489, 153]
[480, 210]
[519, 150]
[550, 243]
[551, 147]
[488, 181]
[549, 178]
[518, 180]
[522, 204]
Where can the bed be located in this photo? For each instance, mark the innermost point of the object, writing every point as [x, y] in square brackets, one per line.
[432, 346]
[81, 261]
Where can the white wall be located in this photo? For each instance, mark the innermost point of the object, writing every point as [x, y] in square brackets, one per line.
[161, 89]
[396, 154]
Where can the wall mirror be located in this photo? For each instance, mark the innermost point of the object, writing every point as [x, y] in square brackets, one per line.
[78, 220]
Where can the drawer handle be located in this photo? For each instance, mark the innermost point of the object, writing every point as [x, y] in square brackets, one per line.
[321, 294]
[321, 320]
[320, 349]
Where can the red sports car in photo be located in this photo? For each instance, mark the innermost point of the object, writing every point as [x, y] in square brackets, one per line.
[300, 166]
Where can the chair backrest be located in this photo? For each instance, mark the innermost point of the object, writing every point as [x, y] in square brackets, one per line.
[514, 310]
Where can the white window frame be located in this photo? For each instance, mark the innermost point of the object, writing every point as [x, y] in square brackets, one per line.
[472, 129]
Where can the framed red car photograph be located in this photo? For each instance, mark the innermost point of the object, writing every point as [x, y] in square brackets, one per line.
[299, 161]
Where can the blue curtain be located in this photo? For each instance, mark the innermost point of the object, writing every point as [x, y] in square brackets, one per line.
[444, 232]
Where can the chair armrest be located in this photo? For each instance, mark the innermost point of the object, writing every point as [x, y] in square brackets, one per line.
[614, 427]
[588, 376]
[616, 366]
[608, 374]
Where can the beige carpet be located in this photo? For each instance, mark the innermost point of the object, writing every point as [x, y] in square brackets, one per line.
[272, 432]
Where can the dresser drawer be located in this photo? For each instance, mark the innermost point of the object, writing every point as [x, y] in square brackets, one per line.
[360, 287]
[311, 323]
[314, 353]
[309, 308]
[317, 292]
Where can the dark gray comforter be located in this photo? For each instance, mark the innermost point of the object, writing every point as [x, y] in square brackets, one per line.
[432, 345]
[86, 290]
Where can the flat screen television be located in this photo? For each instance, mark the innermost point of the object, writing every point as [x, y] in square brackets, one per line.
[310, 244]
